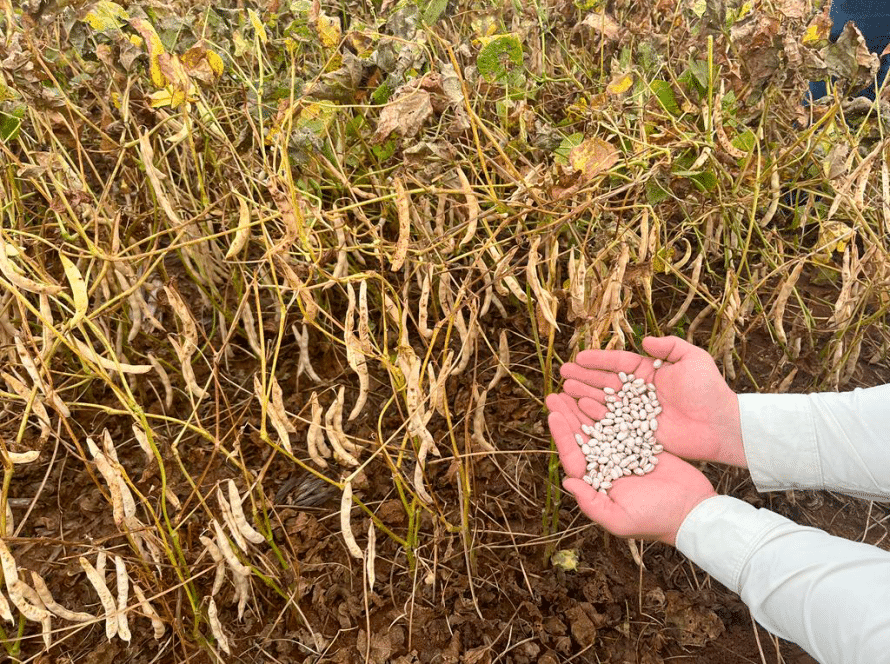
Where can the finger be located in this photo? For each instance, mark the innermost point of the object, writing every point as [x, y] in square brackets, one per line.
[569, 407]
[672, 349]
[562, 403]
[573, 461]
[593, 377]
[592, 408]
[578, 390]
[597, 506]
[609, 360]
[553, 402]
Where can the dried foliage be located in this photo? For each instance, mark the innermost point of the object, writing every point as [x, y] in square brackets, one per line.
[222, 230]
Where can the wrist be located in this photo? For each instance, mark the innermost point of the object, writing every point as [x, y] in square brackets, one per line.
[732, 446]
[671, 538]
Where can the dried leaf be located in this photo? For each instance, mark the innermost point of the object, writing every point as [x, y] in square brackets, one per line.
[604, 24]
[405, 114]
[592, 157]
[105, 15]
[155, 49]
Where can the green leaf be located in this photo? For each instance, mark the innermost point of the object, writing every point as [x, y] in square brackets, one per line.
[665, 94]
[434, 10]
[382, 93]
[655, 193]
[10, 123]
[745, 141]
[704, 181]
[500, 59]
[561, 154]
[106, 15]
[699, 71]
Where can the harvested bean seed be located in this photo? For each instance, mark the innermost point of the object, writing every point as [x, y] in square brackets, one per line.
[623, 441]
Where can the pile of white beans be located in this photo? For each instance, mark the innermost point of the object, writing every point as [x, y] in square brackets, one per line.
[623, 442]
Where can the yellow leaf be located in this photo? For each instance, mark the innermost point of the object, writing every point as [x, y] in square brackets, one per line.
[215, 62]
[105, 15]
[155, 50]
[203, 64]
[620, 84]
[818, 30]
[833, 236]
[161, 98]
[813, 35]
[566, 559]
[241, 45]
[328, 31]
[78, 289]
[257, 25]
[176, 75]
[593, 156]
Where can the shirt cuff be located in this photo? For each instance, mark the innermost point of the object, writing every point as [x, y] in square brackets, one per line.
[721, 534]
[779, 436]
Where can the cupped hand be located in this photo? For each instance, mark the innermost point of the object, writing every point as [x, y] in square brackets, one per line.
[700, 418]
[651, 506]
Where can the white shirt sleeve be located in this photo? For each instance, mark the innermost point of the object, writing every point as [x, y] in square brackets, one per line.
[829, 595]
[834, 440]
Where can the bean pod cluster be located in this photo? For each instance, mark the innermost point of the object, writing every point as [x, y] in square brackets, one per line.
[623, 442]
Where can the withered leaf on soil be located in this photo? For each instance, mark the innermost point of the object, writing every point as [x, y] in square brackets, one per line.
[696, 624]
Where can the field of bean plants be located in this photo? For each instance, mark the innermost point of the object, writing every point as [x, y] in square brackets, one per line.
[284, 284]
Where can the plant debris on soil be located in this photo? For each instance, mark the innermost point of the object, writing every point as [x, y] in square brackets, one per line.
[283, 286]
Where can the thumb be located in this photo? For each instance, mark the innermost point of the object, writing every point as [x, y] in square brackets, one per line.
[672, 349]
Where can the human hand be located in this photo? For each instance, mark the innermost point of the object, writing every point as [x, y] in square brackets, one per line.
[700, 417]
[651, 506]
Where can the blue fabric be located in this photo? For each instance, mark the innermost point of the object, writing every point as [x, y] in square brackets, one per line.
[872, 17]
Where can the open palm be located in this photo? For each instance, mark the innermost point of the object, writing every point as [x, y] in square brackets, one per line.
[652, 506]
[700, 419]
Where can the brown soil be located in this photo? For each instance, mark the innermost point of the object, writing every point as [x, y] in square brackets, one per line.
[496, 598]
